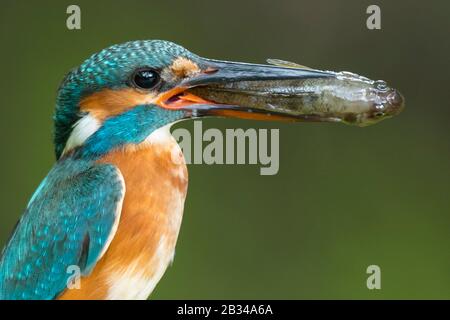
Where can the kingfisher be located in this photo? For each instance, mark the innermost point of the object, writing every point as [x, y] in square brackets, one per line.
[112, 204]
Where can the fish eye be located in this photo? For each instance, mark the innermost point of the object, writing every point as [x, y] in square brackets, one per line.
[381, 85]
[145, 78]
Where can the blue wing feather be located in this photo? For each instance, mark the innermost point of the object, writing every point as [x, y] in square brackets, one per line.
[67, 222]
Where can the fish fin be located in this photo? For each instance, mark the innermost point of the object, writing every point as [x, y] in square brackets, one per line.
[286, 64]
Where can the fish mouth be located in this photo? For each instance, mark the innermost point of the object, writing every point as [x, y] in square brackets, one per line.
[393, 104]
[396, 102]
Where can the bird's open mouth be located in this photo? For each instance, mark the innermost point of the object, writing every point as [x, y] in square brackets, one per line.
[179, 98]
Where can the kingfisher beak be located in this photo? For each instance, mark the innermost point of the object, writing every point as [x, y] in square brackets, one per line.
[240, 90]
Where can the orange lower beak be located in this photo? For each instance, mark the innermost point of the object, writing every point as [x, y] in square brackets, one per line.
[178, 98]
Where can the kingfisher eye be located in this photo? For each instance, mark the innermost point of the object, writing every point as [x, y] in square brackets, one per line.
[145, 78]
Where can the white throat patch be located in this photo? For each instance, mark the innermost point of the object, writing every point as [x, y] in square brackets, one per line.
[82, 130]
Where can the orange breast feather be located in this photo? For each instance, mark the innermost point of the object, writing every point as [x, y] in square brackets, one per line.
[156, 182]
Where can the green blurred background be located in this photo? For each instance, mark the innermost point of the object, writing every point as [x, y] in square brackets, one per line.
[344, 197]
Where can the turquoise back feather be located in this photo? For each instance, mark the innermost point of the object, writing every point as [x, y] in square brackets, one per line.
[67, 223]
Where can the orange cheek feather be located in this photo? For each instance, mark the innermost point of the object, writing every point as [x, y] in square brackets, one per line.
[107, 103]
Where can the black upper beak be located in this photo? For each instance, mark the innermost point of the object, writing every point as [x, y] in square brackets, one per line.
[220, 72]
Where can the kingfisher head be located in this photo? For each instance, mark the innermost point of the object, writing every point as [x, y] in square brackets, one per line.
[121, 94]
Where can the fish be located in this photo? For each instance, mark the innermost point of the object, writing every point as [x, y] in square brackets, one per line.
[342, 97]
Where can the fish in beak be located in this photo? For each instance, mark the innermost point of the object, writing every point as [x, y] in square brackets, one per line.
[283, 91]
